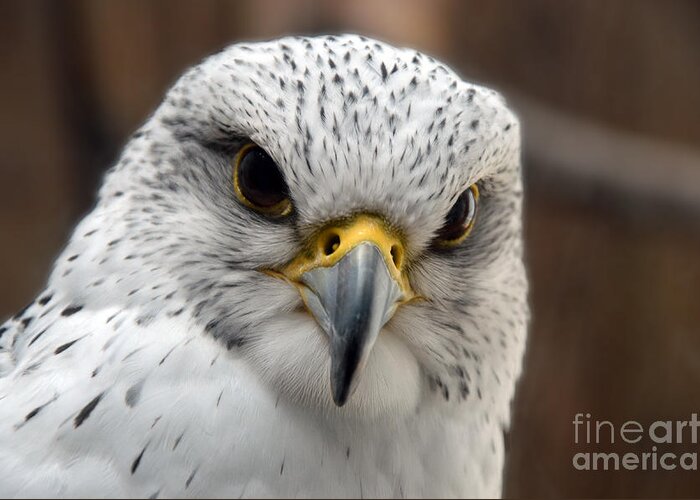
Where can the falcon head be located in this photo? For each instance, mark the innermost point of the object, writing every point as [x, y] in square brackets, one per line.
[342, 215]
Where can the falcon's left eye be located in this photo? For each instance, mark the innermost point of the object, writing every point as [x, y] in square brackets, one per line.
[258, 182]
[460, 219]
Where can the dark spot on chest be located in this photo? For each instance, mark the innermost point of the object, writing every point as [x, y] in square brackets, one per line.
[65, 346]
[133, 394]
[87, 410]
[177, 441]
[189, 479]
[38, 409]
[33, 413]
[70, 310]
[137, 461]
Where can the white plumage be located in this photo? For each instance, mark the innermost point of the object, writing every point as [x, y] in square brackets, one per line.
[161, 361]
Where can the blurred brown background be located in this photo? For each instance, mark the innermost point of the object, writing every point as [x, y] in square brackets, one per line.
[608, 93]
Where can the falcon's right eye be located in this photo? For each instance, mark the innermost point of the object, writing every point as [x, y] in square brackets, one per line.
[258, 182]
[460, 220]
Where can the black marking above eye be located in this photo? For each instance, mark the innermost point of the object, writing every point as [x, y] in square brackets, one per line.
[460, 219]
[259, 183]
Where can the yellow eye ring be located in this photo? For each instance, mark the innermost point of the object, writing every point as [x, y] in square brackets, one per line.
[259, 183]
[460, 220]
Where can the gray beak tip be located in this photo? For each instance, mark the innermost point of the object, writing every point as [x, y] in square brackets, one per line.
[340, 395]
[341, 382]
[352, 301]
[345, 367]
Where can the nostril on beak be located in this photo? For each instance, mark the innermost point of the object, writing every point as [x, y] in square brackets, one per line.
[397, 255]
[331, 244]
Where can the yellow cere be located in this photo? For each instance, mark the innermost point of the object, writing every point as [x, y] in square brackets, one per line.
[333, 242]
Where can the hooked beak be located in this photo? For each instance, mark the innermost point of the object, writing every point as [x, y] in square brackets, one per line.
[351, 281]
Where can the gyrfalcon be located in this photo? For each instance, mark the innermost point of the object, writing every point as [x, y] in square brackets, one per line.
[303, 277]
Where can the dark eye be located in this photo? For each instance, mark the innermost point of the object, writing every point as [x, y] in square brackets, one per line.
[259, 183]
[460, 219]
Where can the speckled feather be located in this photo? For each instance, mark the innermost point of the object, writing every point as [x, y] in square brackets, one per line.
[160, 361]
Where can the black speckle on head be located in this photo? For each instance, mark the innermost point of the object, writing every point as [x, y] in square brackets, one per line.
[177, 441]
[45, 299]
[156, 420]
[65, 346]
[385, 73]
[26, 321]
[70, 310]
[33, 413]
[137, 461]
[38, 409]
[131, 353]
[87, 410]
[36, 337]
[166, 355]
[22, 311]
[463, 390]
[145, 319]
[133, 394]
[172, 314]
